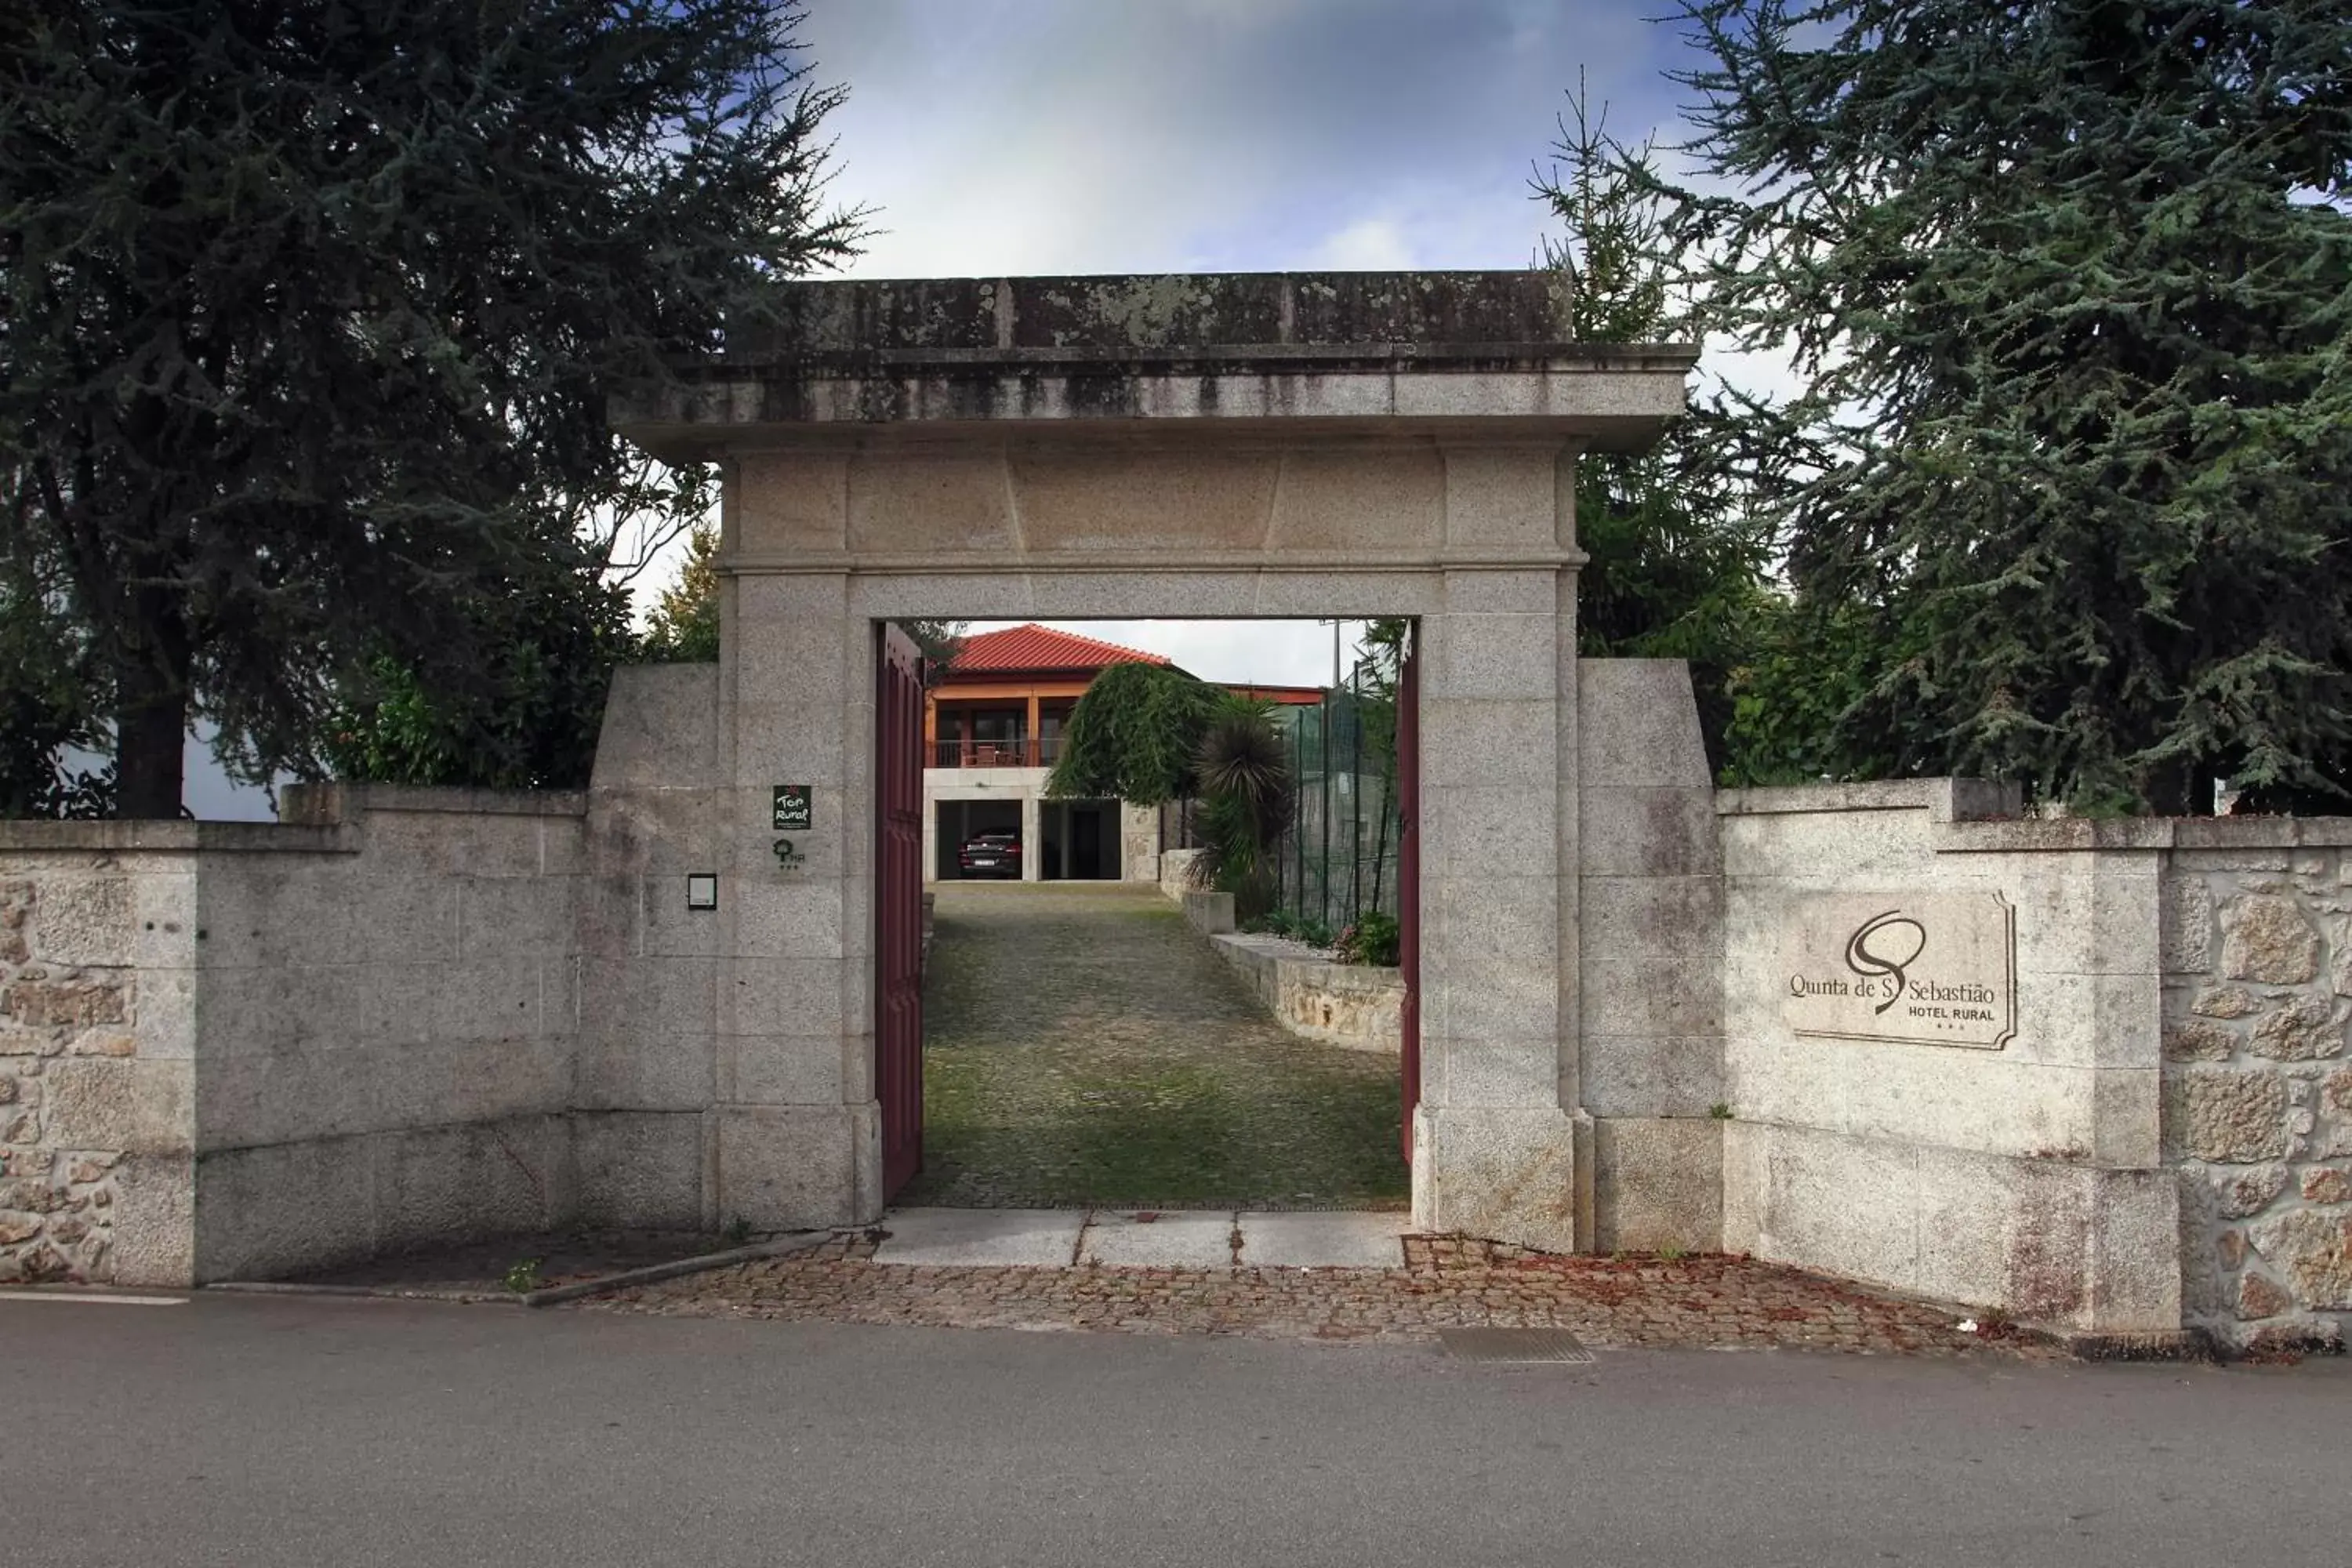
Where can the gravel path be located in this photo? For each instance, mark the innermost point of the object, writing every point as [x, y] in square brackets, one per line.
[1082, 1046]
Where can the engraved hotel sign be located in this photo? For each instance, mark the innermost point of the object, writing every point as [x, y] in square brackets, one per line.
[1931, 969]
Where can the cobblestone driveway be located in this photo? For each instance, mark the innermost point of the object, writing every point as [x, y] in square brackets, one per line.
[1709, 1301]
[1082, 1046]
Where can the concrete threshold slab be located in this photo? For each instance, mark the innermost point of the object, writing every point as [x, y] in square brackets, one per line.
[1146, 1238]
[981, 1238]
[1312, 1240]
[1142, 1238]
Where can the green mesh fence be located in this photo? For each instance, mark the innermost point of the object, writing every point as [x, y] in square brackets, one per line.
[1338, 858]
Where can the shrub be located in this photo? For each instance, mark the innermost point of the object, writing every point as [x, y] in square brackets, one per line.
[1294, 928]
[1374, 939]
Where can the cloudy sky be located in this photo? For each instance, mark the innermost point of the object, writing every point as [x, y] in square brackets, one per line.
[1047, 136]
[1017, 136]
[1053, 136]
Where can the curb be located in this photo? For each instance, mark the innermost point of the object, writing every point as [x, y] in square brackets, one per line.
[2177, 1346]
[373, 1292]
[553, 1295]
[556, 1294]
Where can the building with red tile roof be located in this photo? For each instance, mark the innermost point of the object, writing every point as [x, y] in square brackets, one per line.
[992, 724]
[1032, 649]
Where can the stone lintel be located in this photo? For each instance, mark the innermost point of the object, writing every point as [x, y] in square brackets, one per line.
[1308, 563]
[1479, 353]
[1130, 312]
[1603, 407]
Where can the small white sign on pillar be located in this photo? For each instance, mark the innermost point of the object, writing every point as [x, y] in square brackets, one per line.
[1931, 969]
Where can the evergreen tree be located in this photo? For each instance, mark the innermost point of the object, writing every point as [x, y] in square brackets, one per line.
[1675, 567]
[2068, 285]
[308, 311]
[1136, 734]
[529, 712]
[683, 627]
[44, 666]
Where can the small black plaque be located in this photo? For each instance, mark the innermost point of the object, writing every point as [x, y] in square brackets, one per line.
[793, 812]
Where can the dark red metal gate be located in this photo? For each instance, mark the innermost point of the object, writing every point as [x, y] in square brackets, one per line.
[1408, 731]
[898, 907]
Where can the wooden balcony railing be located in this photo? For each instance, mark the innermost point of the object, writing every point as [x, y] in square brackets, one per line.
[1032, 752]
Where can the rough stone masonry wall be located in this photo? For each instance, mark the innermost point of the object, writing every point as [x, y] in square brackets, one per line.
[1358, 1005]
[2258, 1106]
[57, 1220]
[95, 1021]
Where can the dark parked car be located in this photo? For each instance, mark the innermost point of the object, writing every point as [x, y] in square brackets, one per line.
[990, 855]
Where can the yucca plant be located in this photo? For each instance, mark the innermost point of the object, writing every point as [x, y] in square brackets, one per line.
[1245, 790]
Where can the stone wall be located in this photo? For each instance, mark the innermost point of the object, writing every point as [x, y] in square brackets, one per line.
[2258, 1105]
[1647, 1068]
[1138, 843]
[1206, 912]
[1357, 1005]
[2025, 1174]
[98, 935]
[1176, 871]
[654, 1056]
[387, 1029]
[232, 1050]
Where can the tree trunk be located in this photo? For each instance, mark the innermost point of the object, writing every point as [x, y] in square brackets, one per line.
[150, 719]
[150, 745]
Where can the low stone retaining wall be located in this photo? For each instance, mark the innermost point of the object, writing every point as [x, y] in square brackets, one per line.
[1349, 1004]
[1208, 913]
[1176, 871]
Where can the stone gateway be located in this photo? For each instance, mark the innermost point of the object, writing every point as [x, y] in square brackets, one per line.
[2091, 1073]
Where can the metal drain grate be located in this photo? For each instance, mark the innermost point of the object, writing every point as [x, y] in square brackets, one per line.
[1512, 1345]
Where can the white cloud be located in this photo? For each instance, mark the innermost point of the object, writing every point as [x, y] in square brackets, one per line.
[1372, 245]
[1114, 135]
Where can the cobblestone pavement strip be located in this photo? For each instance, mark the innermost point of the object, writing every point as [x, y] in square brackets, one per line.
[1083, 1047]
[1703, 1302]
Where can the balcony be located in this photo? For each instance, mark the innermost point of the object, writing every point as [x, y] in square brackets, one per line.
[1032, 752]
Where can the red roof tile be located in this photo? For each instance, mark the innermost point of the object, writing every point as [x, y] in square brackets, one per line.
[1033, 648]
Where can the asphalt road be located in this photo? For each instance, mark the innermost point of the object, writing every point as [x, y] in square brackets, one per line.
[261, 1431]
